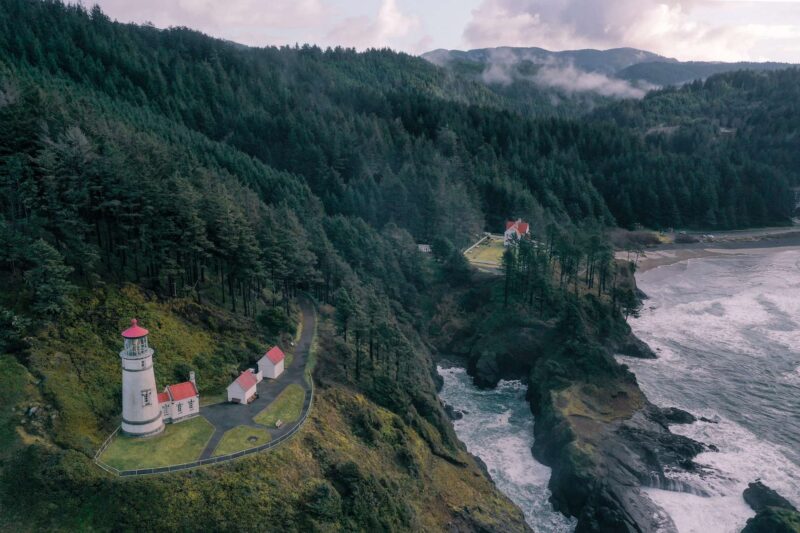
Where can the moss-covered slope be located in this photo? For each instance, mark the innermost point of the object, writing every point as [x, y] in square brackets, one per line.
[354, 465]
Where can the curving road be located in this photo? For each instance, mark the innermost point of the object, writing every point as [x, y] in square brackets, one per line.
[226, 416]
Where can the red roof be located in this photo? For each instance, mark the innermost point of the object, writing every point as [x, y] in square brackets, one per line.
[135, 331]
[181, 391]
[247, 380]
[275, 355]
[163, 397]
[519, 226]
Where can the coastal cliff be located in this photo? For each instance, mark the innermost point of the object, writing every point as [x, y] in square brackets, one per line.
[594, 427]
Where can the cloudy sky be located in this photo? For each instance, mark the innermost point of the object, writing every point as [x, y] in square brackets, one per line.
[687, 29]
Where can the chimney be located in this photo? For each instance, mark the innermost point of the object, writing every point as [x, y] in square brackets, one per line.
[191, 378]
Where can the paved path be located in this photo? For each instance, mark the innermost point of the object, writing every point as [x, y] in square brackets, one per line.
[226, 416]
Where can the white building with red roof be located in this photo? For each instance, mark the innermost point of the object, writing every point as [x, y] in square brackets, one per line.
[244, 388]
[180, 401]
[515, 230]
[271, 364]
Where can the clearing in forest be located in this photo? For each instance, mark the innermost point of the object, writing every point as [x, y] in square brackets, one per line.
[488, 253]
[179, 443]
[242, 438]
[287, 407]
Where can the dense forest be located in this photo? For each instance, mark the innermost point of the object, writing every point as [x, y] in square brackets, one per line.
[204, 184]
[381, 135]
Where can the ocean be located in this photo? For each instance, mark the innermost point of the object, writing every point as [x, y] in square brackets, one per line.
[727, 333]
[497, 426]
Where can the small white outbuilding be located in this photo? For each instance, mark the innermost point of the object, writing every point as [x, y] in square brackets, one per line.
[271, 364]
[244, 388]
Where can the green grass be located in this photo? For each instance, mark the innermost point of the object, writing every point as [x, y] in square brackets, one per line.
[286, 407]
[311, 359]
[211, 399]
[179, 443]
[242, 438]
[488, 252]
[14, 391]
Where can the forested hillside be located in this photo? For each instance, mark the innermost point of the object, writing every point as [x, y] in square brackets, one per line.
[746, 125]
[201, 185]
[381, 135]
[664, 74]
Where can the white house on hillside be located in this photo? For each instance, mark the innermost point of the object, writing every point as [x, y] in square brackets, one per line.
[180, 401]
[271, 364]
[244, 388]
[515, 230]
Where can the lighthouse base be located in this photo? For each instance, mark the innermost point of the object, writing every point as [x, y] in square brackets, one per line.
[143, 429]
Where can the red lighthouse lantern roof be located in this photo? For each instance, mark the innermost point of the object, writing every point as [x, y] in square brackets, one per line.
[135, 331]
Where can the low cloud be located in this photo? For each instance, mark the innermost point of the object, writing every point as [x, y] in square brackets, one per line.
[503, 68]
[570, 79]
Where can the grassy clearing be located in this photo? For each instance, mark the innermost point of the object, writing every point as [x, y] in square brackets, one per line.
[242, 438]
[286, 407]
[81, 371]
[211, 399]
[15, 391]
[311, 359]
[179, 443]
[488, 252]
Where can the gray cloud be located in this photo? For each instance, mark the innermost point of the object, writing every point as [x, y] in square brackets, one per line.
[670, 27]
[564, 76]
[571, 79]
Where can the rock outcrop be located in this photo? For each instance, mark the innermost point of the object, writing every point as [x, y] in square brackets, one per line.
[594, 427]
[774, 513]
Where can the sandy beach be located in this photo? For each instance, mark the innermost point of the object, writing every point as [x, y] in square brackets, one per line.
[724, 244]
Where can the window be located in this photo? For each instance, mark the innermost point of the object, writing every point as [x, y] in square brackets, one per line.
[191, 404]
[147, 397]
[180, 407]
[142, 363]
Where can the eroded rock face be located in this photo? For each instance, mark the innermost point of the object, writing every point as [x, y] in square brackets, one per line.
[452, 412]
[486, 371]
[604, 440]
[673, 415]
[594, 427]
[774, 513]
[758, 496]
[632, 346]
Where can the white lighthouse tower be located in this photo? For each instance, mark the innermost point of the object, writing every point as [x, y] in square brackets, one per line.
[141, 412]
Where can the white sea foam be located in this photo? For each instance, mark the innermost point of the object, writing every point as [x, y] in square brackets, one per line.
[497, 426]
[727, 335]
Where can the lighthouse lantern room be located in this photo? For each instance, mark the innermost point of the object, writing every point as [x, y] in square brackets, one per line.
[141, 412]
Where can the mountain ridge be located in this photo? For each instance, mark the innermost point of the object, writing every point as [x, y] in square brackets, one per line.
[624, 63]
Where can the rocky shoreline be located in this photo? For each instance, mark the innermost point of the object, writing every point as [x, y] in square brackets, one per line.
[774, 513]
[597, 431]
[594, 427]
[605, 441]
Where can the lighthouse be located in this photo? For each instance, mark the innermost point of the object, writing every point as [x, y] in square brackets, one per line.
[141, 412]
